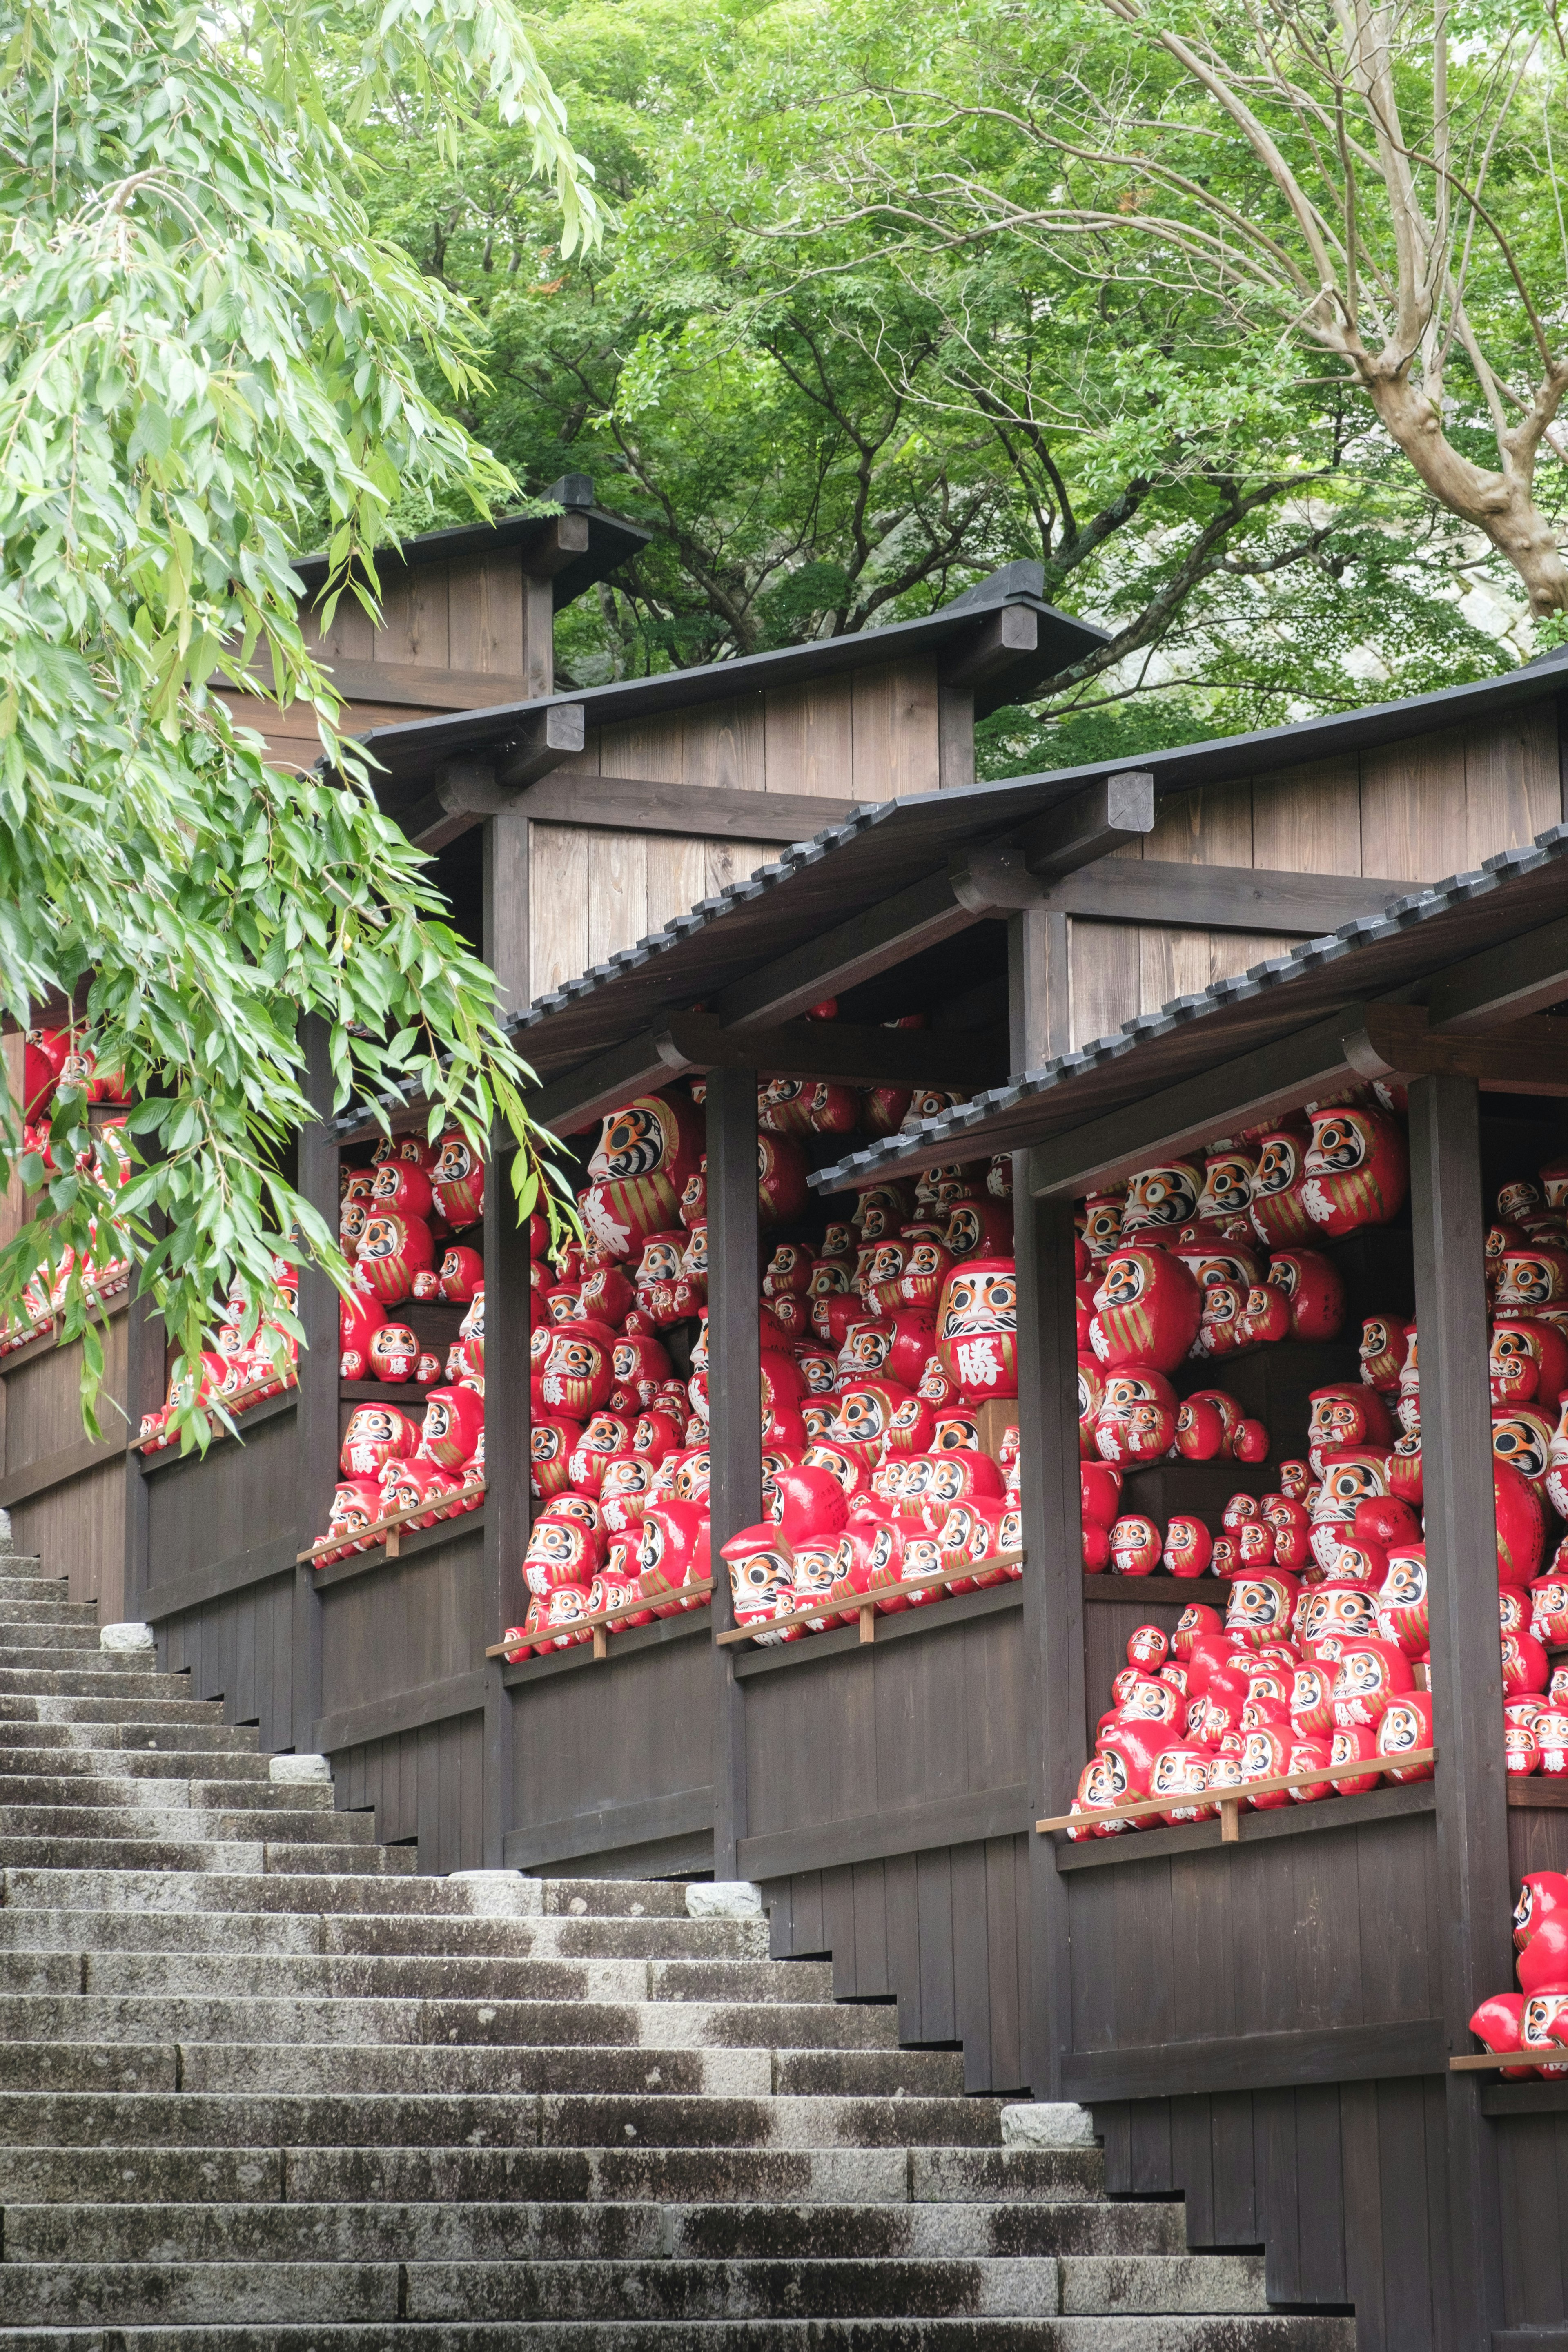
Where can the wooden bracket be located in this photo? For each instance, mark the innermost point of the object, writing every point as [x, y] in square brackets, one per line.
[466, 791]
[563, 539]
[1005, 639]
[1525, 1056]
[1004, 877]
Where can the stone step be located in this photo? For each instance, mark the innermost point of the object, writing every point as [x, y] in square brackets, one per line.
[1275, 2334]
[233, 1742]
[361, 1977]
[29, 1603]
[25, 1569]
[128, 2293]
[55, 2010]
[111, 1707]
[195, 1855]
[272, 1820]
[79, 1796]
[586, 2068]
[46, 1638]
[518, 2231]
[407, 1976]
[107, 1888]
[252, 2120]
[356, 2174]
[23, 1930]
[102, 1673]
[78, 1767]
[612, 1899]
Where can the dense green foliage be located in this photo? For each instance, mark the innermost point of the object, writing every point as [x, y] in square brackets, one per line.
[836, 407]
[203, 346]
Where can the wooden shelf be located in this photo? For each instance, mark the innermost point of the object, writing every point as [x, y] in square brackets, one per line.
[383, 1391]
[1157, 1591]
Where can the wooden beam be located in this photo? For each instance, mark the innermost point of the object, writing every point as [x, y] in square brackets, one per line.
[1220, 897]
[1474, 1888]
[56, 1469]
[418, 684]
[1005, 638]
[237, 1574]
[966, 1820]
[1410, 1799]
[862, 1056]
[385, 1718]
[634, 804]
[602, 1829]
[1259, 2062]
[1518, 977]
[1242, 1093]
[563, 539]
[466, 791]
[917, 918]
[1000, 876]
[1526, 1056]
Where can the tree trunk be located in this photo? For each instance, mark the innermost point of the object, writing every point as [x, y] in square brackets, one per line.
[1500, 504]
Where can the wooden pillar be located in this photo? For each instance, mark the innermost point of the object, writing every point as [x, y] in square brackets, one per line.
[1052, 1628]
[735, 1414]
[316, 1423]
[506, 1420]
[1475, 1884]
[146, 1380]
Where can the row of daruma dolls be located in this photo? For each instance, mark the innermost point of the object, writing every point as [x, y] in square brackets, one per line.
[1323, 1654]
[235, 1371]
[1534, 2019]
[104, 1271]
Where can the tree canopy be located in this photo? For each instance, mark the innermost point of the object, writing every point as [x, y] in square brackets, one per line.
[206, 351]
[823, 353]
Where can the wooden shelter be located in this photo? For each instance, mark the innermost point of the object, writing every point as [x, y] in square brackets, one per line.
[1265, 2024]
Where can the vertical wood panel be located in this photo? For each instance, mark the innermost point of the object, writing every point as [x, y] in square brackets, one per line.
[1512, 788]
[1185, 963]
[678, 876]
[915, 744]
[725, 744]
[653, 749]
[617, 892]
[811, 738]
[1210, 826]
[1307, 820]
[1413, 819]
[557, 906]
[1105, 962]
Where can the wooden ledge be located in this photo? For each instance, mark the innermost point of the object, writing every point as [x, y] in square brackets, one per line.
[166, 1456]
[391, 1526]
[872, 1605]
[1231, 1802]
[603, 1622]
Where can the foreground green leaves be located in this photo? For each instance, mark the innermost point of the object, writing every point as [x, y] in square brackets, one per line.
[203, 346]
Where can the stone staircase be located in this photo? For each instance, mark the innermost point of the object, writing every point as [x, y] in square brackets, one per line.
[262, 2089]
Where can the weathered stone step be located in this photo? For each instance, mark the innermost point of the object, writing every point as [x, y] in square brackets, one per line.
[364, 1976]
[80, 1767]
[106, 1889]
[253, 2120]
[28, 1603]
[102, 1674]
[70, 2066]
[301, 2069]
[1275, 2334]
[127, 2294]
[25, 1930]
[79, 1796]
[612, 1899]
[270, 1822]
[113, 1707]
[235, 1741]
[555, 1936]
[55, 2010]
[518, 2231]
[218, 1858]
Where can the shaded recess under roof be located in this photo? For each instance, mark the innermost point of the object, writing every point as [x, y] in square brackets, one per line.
[1380, 958]
[846, 869]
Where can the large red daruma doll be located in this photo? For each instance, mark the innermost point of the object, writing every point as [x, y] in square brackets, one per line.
[393, 1250]
[454, 1418]
[647, 1151]
[977, 1328]
[457, 1181]
[673, 1555]
[376, 1434]
[1147, 1310]
[1357, 1169]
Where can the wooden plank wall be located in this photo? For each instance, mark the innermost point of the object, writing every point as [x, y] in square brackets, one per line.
[867, 738]
[1419, 810]
[945, 1931]
[400, 1627]
[424, 1787]
[240, 1649]
[77, 1522]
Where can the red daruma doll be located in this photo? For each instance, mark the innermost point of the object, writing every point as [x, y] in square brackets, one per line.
[977, 1328]
[674, 1554]
[454, 1419]
[393, 1249]
[376, 1434]
[457, 1181]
